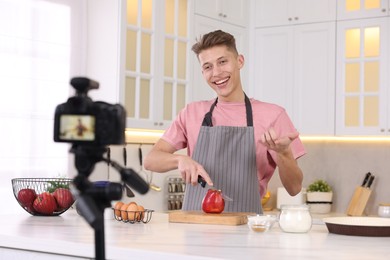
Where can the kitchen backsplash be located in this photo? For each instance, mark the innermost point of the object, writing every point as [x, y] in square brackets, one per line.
[342, 164]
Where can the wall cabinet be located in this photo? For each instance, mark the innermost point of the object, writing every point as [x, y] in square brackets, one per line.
[362, 77]
[357, 9]
[155, 66]
[202, 25]
[288, 12]
[128, 48]
[228, 11]
[295, 69]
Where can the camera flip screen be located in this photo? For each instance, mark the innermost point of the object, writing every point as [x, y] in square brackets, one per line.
[77, 128]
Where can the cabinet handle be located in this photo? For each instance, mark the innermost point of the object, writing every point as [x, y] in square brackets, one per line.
[160, 123]
[382, 130]
[290, 19]
[220, 14]
[384, 10]
[296, 18]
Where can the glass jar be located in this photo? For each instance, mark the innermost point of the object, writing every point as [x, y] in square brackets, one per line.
[295, 218]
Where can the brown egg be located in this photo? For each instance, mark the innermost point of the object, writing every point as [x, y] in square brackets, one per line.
[132, 211]
[117, 208]
[123, 211]
[141, 213]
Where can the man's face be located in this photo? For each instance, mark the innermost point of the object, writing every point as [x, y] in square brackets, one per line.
[221, 70]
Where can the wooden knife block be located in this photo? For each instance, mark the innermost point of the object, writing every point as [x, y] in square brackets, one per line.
[359, 201]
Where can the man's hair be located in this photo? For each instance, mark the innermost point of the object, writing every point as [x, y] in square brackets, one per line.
[215, 38]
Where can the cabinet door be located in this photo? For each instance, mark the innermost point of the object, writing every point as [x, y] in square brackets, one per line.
[362, 71]
[288, 12]
[295, 69]
[155, 81]
[355, 9]
[200, 89]
[314, 78]
[274, 66]
[229, 11]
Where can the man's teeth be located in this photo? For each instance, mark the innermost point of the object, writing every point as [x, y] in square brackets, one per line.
[221, 81]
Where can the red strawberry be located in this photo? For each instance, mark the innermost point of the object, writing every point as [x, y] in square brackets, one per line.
[63, 197]
[26, 197]
[45, 203]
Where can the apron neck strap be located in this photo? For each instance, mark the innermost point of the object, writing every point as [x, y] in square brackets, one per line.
[207, 120]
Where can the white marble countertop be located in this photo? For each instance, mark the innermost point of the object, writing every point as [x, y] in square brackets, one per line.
[70, 235]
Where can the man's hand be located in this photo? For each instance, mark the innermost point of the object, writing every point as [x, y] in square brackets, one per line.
[276, 143]
[190, 170]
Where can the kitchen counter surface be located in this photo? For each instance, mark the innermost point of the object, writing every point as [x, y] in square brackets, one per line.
[69, 235]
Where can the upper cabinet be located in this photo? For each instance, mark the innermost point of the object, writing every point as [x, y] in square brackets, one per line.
[295, 69]
[228, 11]
[362, 77]
[288, 12]
[357, 9]
[154, 59]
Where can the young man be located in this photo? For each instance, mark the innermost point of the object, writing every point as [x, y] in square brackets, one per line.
[234, 143]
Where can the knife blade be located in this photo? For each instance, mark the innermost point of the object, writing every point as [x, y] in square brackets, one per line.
[367, 176]
[203, 183]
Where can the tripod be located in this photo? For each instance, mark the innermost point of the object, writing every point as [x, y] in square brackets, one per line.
[91, 199]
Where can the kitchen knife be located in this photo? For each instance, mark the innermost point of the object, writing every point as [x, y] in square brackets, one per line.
[370, 180]
[203, 183]
[368, 174]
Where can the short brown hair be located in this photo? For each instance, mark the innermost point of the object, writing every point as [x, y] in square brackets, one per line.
[215, 38]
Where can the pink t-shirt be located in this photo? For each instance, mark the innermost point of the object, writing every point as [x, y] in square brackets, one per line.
[183, 132]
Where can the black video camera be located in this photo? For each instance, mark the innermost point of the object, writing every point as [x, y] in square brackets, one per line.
[82, 121]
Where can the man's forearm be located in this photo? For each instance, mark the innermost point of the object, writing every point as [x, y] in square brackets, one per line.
[290, 173]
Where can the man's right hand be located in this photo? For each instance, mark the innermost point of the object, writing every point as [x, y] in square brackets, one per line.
[190, 170]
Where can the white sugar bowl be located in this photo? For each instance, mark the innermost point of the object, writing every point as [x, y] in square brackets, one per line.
[384, 210]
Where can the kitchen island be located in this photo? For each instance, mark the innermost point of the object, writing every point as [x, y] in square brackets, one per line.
[69, 237]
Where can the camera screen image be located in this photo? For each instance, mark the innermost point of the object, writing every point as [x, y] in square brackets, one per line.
[77, 127]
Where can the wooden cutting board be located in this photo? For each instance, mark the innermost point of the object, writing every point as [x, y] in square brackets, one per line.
[199, 217]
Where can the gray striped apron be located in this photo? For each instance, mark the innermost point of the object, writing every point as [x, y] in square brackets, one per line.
[228, 155]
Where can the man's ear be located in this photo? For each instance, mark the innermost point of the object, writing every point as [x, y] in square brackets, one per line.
[241, 60]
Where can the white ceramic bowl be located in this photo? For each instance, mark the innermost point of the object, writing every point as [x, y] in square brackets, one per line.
[261, 223]
[384, 210]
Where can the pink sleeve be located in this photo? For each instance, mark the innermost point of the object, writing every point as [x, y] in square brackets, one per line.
[176, 133]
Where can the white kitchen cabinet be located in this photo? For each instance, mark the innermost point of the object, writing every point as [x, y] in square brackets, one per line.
[200, 90]
[357, 9]
[288, 12]
[295, 69]
[362, 77]
[228, 11]
[101, 48]
[155, 65]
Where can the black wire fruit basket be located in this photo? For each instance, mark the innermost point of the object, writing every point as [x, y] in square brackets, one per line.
[43, 196]
[133, 217]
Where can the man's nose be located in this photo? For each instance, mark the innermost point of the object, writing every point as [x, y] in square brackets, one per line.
[216, 70]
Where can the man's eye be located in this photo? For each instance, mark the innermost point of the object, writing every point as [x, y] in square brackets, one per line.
[222, 61]
[206, 67]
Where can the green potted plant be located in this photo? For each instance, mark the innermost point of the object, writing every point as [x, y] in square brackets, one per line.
[319, 196]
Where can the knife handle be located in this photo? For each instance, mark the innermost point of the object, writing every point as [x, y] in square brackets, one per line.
[371, 179]
[201, 181]
[368, 174]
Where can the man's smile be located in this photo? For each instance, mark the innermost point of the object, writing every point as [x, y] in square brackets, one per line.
[221, 82]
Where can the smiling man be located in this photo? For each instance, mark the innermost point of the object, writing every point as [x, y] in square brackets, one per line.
[233, 142]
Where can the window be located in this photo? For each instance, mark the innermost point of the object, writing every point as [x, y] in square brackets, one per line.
[40, 47]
